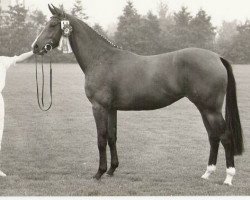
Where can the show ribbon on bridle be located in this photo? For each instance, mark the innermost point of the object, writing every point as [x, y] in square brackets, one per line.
[64, 44]
[41, 101]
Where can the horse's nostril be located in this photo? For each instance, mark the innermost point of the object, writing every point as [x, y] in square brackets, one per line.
[36, 46]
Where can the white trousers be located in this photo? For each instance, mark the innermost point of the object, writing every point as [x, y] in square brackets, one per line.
[1, 118]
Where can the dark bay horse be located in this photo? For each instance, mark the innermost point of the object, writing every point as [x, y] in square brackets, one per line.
[116, 79]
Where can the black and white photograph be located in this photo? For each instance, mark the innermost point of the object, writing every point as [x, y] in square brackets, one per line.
[124, 98]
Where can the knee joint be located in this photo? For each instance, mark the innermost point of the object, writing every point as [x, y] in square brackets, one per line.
[111, 140]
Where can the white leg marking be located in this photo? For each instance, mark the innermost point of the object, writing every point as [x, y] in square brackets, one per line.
[2, 174]
[230, 174]
[1, 125]
[209, 171]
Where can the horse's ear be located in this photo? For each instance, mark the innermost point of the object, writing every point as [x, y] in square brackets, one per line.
[53, 12]
[57, 11]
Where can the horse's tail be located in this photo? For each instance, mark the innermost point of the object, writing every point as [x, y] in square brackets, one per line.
[233, 124]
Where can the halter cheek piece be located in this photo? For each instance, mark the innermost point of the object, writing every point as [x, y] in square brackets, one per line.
[66, 32]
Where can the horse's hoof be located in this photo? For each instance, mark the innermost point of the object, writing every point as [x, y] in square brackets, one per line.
[96, 177]
[210, 169]
[2, 174]
[109, 174]
[205, 176]
[227, 183]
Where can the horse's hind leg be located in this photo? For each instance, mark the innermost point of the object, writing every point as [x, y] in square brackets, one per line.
[215, 126]
[112, 137]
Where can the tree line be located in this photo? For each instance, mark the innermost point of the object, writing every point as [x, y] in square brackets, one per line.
[143, 34]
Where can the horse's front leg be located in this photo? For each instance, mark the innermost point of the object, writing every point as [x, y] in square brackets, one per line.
[112, 132]
[101, 119]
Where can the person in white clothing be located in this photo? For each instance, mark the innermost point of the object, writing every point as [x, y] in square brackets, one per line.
[5, 64]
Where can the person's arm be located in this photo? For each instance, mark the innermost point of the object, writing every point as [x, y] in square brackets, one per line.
[24, 56]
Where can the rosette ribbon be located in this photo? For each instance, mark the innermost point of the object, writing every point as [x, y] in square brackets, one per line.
[64, 44]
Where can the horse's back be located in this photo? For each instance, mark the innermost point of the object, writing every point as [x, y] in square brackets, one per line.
[146, 82]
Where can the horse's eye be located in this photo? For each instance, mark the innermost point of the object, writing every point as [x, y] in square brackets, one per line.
[54, 23]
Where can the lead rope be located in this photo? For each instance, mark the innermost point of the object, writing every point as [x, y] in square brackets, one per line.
[41, 106]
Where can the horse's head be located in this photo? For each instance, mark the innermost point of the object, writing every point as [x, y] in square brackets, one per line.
[50, 36]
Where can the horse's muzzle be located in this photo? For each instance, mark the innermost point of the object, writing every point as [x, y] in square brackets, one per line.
[35, 49]
[38, 51]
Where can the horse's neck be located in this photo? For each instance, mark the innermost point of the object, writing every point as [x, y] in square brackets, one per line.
[87, 45]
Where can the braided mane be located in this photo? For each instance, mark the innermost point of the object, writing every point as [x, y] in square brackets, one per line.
[107, 40]
[104, 38]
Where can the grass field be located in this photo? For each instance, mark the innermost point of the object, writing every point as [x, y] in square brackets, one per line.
[162, 152]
